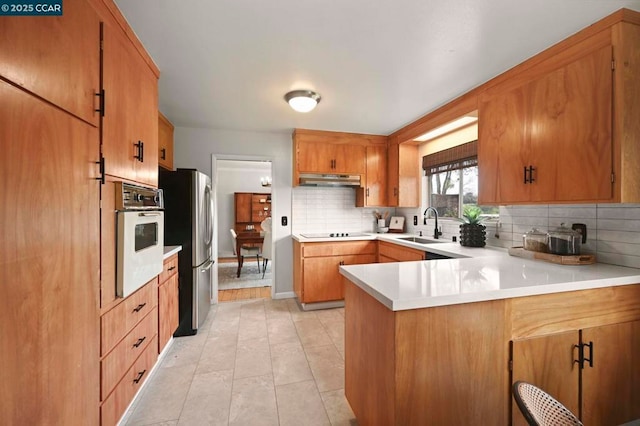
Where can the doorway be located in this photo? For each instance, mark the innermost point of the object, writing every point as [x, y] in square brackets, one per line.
[238, 181]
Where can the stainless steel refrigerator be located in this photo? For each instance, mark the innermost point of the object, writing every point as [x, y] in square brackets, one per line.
[188, 221]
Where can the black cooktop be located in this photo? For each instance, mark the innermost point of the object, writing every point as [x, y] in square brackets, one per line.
[334, 235]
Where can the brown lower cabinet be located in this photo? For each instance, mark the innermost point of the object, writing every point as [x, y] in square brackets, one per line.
[167, 301]
[129, 349]
[316, 267]
[451, 364]
[390, 252]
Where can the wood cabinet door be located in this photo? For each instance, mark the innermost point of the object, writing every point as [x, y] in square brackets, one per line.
[131, 108]
[322, 280]
[350, 159]
[313, 157]
[165, 142]
[167, 310]
[611, 388]
[393, 175]
[408, 176]
[374, 192]
[49, 263]
[571, 139]
[243, 207]
[37, 55]
[503, 148]
[547, 362]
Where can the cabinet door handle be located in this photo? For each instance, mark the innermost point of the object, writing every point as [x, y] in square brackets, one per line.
[342, 262]
[139, 154]
[139, 377]
[590, 359]
[525, 175]
[163, 154]
[139, 342]
[171, 269]
[139, 307]
[367, 192]
[531, 170]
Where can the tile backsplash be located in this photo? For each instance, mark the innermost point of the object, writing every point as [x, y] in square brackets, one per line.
[613, 230]
[319, 209]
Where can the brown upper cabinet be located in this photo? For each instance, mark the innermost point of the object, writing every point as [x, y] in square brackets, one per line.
[549, 139]
[323, 152]
[562, 126]
[374, 192]
[404, 175]
[68, 78]
[130, 124]
[165, 142]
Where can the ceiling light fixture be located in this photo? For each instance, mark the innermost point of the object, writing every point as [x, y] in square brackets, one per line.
[449, 127]
[302, 100]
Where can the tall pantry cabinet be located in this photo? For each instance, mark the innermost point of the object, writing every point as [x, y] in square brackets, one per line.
[49, 218]
[56, 289]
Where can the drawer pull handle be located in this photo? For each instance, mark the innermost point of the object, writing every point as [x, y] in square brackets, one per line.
[171, 269]
[140, 376]
[139, 307]
[139, 342]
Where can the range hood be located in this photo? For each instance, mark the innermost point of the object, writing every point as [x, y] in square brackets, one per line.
[329, 180]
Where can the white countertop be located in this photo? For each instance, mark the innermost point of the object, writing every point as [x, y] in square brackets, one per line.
[473, 275]
[170, 251]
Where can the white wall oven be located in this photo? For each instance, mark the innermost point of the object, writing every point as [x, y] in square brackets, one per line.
[140, 236]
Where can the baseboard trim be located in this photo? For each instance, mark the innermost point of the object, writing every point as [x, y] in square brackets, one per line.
[284, 295]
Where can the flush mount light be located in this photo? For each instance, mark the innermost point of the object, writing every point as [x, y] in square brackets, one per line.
[302, 100]
[449, 127]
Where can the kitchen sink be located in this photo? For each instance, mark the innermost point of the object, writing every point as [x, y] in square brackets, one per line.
[420, 240]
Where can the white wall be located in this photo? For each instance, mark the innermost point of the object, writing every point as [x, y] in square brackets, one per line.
[194, 147]
[235, 176]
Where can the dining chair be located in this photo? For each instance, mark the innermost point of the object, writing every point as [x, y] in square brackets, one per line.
[541, 409]
[245, 250]
[266, 244]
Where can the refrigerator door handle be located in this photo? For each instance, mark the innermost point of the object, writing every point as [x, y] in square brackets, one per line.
[209, 218]
[207, 265]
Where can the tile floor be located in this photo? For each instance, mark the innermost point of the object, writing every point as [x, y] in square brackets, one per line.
[255, 362]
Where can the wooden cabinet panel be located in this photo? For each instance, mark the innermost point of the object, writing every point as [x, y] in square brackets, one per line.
[611, 388]
[316, 274]
[167, 311]
[341, 248]
[131, 108]
[503, 148]
[251, 209]
[116, 323]
[404, 175]
[49, 262]
[243, 207]
[169, 268]
[34, 56]
[165, 142]
[322, 279]
[374, 192]
[331, 158]
[127, 351]
[547, 362]
[113, 408]
[108, 244]
[389, 252]
[550, 139]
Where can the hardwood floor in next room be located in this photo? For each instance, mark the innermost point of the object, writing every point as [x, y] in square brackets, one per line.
[256, 362]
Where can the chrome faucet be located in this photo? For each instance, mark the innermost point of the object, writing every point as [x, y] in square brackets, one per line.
[436, 232]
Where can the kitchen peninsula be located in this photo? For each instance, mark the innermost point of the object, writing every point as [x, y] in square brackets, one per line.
[440, 341]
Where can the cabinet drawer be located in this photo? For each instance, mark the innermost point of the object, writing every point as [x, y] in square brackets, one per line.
[399, 253]
[170, 267]
[113, 408]
[116, 323]
[338, 248]
[124, 354]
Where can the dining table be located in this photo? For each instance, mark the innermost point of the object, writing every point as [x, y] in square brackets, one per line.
[243, 238]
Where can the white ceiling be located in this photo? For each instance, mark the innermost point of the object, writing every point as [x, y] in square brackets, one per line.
[378, 64]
